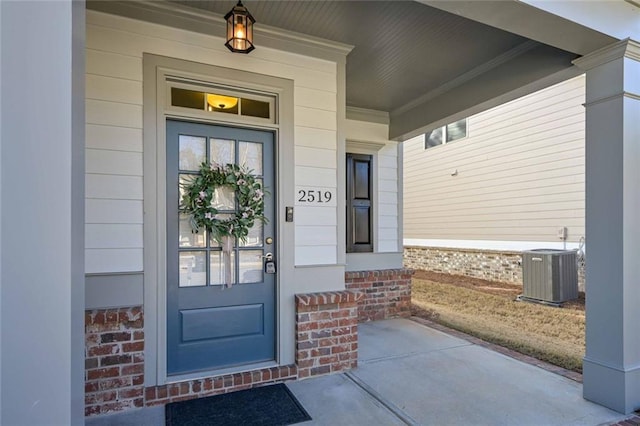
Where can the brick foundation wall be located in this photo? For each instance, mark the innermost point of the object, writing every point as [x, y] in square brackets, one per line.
[485, 264]
[114, 367]
[387, 293]
[326, 342]
[114, 360]
[327, 332]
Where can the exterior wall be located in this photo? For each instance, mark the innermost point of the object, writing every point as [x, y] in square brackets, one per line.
[520, 174]
[386, 293]
[114, 240]
[505, 266]
[119, 379]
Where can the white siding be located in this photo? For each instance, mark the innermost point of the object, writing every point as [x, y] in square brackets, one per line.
[386, 180]
[520, 173]
[115, 47]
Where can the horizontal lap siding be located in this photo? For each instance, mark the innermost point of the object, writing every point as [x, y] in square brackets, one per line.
[114, 50]
[520, 173]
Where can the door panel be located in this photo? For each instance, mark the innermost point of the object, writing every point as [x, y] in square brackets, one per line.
[359, 203]
[210, 326]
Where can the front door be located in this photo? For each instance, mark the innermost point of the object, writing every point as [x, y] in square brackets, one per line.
[210, 326]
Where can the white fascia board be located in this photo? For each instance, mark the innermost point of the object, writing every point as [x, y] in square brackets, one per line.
[615, 18]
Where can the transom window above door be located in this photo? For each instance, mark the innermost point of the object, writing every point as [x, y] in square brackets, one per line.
[223, 103]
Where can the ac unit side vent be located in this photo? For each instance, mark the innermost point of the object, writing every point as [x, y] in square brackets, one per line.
[550, 275]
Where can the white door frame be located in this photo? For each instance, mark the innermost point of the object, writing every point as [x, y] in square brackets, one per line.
[156, 70]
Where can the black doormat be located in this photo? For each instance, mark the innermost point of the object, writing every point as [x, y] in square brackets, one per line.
[272, 405]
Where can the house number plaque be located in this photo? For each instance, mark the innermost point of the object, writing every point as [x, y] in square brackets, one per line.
[310, 196]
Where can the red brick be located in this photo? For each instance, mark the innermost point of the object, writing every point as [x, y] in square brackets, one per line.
[115, 360]
[122, 336]
[132, 369]
[102, 373]
[138, 335]
[138, 380]
[90, 363]
[150, 393]
[173, 390]
[133, 347]
[325, 369]
[91, 411]
[107, 349]
[161, 392]
[184, 388]
[122, 382]
[91, 387]
[130, 393]
[208, 384]
[196, 386]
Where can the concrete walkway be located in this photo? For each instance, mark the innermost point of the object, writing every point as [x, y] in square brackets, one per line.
[412, 374]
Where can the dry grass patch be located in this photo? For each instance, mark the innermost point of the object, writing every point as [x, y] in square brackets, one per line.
[555, 335]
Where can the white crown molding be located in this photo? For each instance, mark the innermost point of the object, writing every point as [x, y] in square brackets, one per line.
[205, 22]
[370, 146]
[369, 115]
[626, 48]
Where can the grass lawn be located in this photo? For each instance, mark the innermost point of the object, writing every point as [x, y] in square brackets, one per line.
[488, 310]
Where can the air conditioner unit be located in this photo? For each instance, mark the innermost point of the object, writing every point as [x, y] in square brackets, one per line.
[549, 275]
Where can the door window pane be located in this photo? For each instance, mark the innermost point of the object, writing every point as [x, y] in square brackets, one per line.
[223, 198]
[254, 239]
[193, 270]
[184, 180]
[251, 266]
[250, 156]
[221, 151]
[192, 152]
[187, 237]
[216, 268]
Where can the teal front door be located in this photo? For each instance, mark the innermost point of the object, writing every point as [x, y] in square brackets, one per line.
[209, 325]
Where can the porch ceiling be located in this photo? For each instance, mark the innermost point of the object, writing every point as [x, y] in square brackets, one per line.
[403, 49]
[425, 64]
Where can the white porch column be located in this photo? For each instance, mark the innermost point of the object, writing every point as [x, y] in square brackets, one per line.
[42, 212]
[612, 360]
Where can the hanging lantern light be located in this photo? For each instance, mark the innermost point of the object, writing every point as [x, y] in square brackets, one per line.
[239, 29]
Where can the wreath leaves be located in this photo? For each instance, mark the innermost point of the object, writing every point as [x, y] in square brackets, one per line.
[198, 201]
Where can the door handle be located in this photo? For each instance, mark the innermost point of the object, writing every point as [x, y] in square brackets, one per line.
[268, 257]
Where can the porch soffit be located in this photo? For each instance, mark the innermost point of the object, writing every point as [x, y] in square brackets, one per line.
[407, 57]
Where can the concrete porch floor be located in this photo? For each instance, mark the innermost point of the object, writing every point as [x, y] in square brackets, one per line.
[412, 374]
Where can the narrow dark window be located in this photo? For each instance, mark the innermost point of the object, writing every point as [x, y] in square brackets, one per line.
[359, 203]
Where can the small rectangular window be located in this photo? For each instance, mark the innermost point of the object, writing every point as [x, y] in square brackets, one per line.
[433, 138]
[457, 130]
[258, 107]
[446, 134]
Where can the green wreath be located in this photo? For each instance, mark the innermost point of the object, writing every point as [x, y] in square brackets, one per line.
[198, 201]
